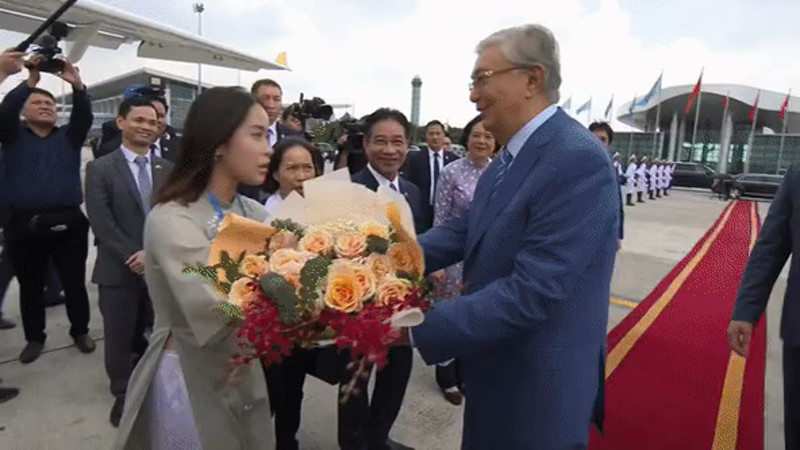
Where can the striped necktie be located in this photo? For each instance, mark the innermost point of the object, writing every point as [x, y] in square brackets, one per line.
[505, 162]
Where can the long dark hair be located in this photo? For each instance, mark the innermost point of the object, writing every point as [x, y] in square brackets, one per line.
[212, 120]
[271, 184]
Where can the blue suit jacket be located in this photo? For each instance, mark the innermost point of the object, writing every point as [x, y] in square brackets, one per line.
[779, 237]
[530, 327]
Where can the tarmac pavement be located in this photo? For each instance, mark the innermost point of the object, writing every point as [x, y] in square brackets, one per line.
[65, 402]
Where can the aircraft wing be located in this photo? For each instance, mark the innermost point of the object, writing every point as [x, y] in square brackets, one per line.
[98, 25]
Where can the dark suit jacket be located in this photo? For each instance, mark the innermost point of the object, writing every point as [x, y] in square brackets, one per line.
[530, 327]
[411, 192]
[417, 169]
[116, 215]
[619, 185]
[256, 192]
[779, 238]
[112, 139]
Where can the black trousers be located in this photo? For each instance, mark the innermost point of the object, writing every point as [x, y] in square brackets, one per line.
[365, 423]
[31, 245]
[285, 382]
[447, 376]
[791, 396]
[127, 314]
[52, 289]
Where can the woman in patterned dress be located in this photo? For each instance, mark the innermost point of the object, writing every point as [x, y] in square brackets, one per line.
[453, 194]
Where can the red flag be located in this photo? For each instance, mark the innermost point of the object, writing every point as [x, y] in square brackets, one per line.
[694, 94]
[725, 102]
[785, 106]
[755, 107]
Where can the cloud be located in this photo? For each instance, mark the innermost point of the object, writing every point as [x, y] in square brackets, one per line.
[365, 53]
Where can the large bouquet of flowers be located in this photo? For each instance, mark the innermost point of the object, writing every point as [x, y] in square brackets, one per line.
[340, 266]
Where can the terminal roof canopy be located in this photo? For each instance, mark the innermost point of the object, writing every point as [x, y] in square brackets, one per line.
[741, 98]
[98, 25]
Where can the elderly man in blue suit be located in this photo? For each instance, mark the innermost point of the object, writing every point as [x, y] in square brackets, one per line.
[538, 244]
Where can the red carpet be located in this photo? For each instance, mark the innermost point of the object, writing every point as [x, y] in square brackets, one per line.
[671, 382]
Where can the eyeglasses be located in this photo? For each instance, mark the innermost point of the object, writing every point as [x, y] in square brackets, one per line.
[479, 79]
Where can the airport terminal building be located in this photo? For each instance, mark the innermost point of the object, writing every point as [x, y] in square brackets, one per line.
[108, 95]
[721, 143]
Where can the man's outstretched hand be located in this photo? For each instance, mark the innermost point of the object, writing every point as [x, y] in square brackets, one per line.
[739, 335]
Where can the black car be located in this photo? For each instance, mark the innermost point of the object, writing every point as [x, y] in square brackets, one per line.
[695, 175]
[755, 184]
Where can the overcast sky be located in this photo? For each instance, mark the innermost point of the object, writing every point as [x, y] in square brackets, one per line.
[365, 52]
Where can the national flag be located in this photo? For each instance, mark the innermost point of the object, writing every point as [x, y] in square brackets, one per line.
[585, 107]
[694, 94]
[281, 59]
[567, 104]
[755, 106]
[785, 106]
[654, 92]
[725, 101]
[607, 114]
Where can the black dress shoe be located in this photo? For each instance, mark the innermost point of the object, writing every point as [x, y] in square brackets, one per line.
[7, 393]
[84, 343]
[116, 411]
[454, 396]
[31, 352]
[6, 324]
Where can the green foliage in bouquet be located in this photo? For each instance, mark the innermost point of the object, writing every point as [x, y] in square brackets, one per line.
[229, 265]
[377, 244]
[311, 276]
[282, 293]
[288, 225]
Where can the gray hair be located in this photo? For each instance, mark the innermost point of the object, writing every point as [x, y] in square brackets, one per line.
[527, 46]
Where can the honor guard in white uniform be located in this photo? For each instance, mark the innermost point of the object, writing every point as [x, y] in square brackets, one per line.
[641, 179]
[630, 183]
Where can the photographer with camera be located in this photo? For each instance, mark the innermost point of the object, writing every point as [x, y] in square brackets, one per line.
[350, 146]
[166, 141]
[42, 182]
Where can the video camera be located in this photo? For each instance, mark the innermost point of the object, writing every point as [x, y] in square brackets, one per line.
[46, 44]
[314, 108]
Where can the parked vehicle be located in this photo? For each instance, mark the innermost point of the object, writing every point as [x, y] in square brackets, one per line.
[691, 174]
[755, 184]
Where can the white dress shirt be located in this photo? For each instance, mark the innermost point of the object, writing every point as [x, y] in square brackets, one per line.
[272, 203]
[433, 161]
[382, 181]
[272, 133]
[130, 156]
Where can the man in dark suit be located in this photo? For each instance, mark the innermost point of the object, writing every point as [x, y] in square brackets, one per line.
[424, 167]
[363, 425]
[604, 132]
[119, 187]
[779, 238]
[166, 140]
[269, 95]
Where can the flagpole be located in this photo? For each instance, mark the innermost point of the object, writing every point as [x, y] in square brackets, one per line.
[658, 116]
[783, 135]
[752, 136]
[723, 152]
[630, 135]
[697, 112]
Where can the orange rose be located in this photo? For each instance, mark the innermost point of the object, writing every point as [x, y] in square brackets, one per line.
[243, 292]
[350, 245]
[392, 288]
[380, 265]
[374, 229]
[286, 260]
[254, 266]
[401, 259]
[282, 239]
[318, 242]
[366, 280]
[343, 292]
